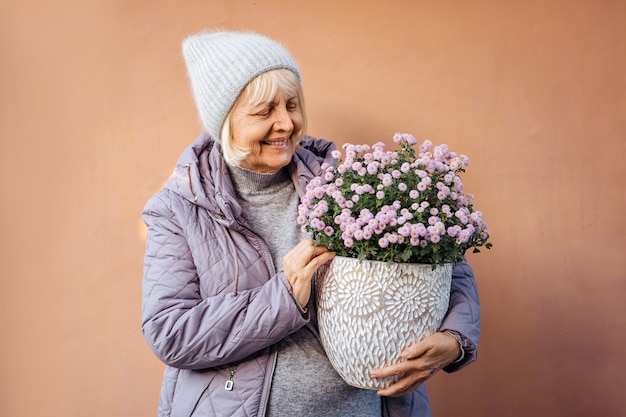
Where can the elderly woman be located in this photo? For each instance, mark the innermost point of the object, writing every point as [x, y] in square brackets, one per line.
[227, 290]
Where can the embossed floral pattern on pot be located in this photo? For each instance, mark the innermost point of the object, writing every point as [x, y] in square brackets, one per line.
[369, 311]
[358, 295]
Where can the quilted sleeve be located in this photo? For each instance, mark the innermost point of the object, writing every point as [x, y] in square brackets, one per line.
[186, 330]
[463, 316]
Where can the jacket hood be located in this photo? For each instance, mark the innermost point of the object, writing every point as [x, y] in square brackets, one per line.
[202, 178]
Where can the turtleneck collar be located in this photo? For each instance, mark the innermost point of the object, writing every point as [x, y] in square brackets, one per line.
[246, 181]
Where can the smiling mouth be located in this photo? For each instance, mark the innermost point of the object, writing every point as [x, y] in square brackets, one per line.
[281, 142]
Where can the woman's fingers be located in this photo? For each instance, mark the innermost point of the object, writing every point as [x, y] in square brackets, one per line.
[306, 253]
[300, 265]
[422, 360]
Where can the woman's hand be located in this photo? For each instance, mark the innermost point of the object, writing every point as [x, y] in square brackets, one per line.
[301, 263]
[423, 360]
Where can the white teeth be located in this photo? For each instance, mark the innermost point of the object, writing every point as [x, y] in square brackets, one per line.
[276, 142]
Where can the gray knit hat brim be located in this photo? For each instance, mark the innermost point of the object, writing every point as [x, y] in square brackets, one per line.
[221, 64]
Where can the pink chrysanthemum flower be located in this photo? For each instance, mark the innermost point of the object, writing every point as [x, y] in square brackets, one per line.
[402, 205]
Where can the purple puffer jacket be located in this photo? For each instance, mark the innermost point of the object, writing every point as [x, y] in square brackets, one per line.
[213, 303]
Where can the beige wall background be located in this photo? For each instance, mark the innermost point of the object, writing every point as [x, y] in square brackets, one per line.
[95, 109]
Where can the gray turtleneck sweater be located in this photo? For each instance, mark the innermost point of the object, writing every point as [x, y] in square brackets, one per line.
[304, 382]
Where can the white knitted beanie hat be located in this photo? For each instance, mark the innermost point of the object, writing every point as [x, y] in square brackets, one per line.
[221, 64]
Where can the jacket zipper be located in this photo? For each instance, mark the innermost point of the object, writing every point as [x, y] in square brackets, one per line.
[270, 378]
[229, 385]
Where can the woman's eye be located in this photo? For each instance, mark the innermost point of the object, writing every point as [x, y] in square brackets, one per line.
[292, 106]
[265, 112]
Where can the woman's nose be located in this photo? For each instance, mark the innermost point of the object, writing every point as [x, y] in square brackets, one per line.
[282, 121]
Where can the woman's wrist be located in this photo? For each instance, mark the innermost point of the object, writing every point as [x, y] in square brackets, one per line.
[303, 310]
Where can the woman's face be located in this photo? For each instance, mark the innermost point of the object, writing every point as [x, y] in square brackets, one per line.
[268, 130]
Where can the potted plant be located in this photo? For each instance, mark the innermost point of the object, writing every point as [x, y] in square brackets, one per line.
[398, 221]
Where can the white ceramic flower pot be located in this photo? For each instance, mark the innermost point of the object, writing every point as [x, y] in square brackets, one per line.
[368, 312]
